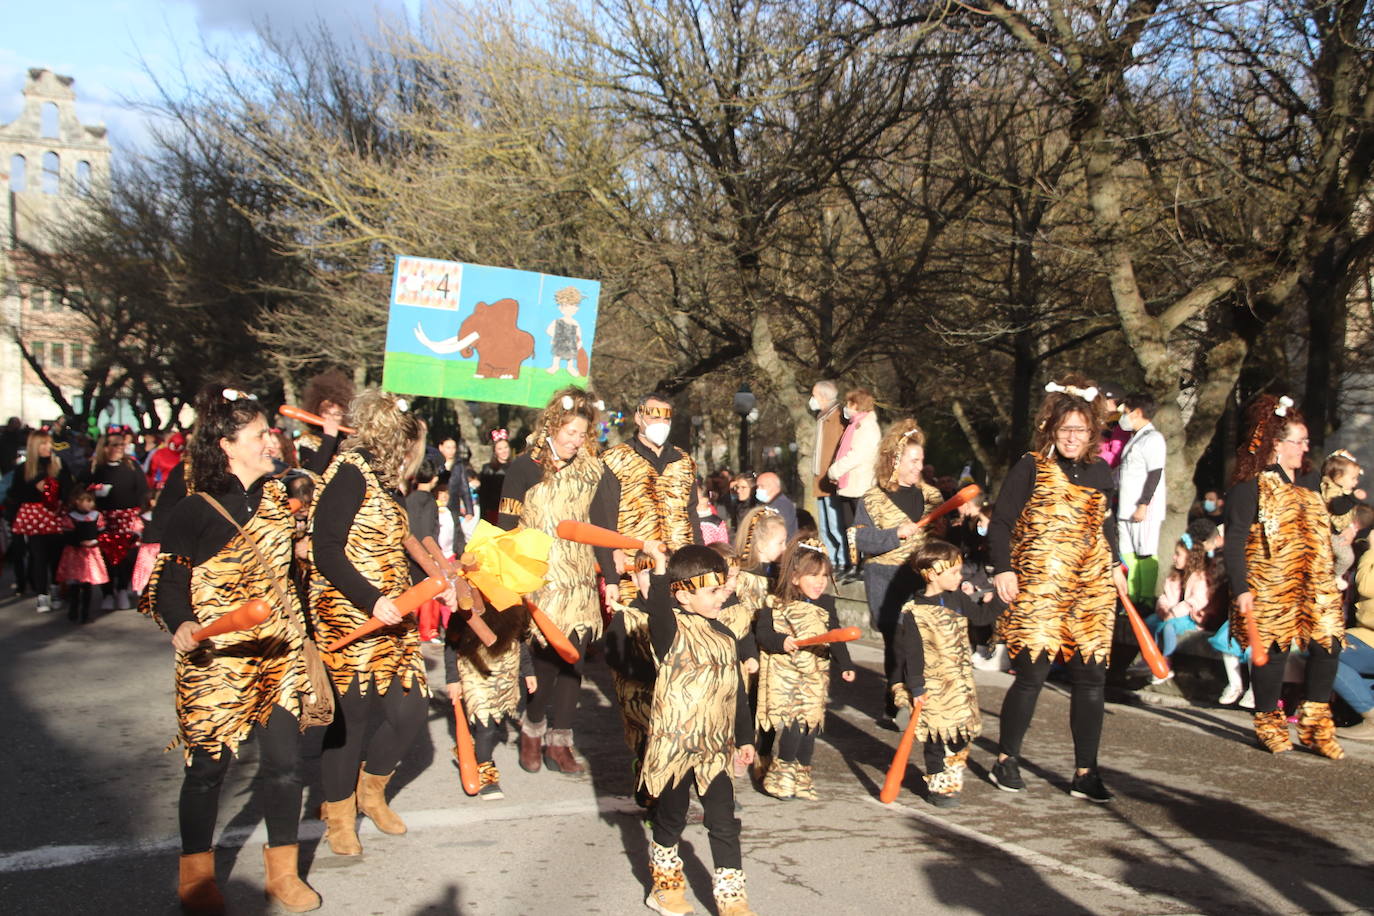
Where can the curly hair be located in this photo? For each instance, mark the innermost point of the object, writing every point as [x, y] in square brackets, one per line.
[217, 418]
[332, 385]
[1056, 408]
[579, 403]
[899, 436]
[803, 557]
[389, 432]
[1197, 563]
[1264, 427]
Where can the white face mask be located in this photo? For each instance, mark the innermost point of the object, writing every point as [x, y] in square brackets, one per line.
[848, 414]
[813, 404]
[1125, 422]
[657, 433]
[982, 531]
[764, 496]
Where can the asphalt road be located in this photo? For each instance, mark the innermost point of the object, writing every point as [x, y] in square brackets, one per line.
[1204, 822]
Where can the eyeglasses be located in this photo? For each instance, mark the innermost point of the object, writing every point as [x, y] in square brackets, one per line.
[1297, 441]
[1072, 431]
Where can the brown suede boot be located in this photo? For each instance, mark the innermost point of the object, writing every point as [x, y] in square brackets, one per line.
[669, 893]
[284, 884]
[532, 744]
[341, 826]
[372, 802]
[196, 887]
[558, 752]
[1271, 728]
[1317, 730]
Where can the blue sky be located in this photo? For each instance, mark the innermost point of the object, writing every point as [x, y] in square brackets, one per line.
[107, 45]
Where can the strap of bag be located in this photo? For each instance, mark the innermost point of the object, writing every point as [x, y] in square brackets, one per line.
[262, 561]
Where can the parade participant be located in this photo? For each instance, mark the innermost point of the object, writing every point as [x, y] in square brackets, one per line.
[82, 564]
[1278, 557]
[653, 486]
[699, 727]
[1140, 494]
[794, 682]
[359, 524]
[328, 395]
[486, 680]
[1053, 552]
[631, 660]
[1340, 489]
[933, 659]
[162, 462]
[38, 488]
[226, 545]
[422, 519]
[759, 544]
[556, 479]
[493, 476]
[173, 491]
[120, 488]
[885, 529]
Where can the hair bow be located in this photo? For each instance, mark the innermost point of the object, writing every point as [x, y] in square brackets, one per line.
[1086, 394]
[1285, 403]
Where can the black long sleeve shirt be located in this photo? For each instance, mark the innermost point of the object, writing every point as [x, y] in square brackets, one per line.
[909, 648]
[1242, 508]
[338, 507]
[621, 654]
[876, 541]
[172, 493]
[663, 611]
[128, 486]
[524, 472]
[770, 640]
[195, 532]
[608, 494]
[317, 459]
[423, 512]
[1016, 491]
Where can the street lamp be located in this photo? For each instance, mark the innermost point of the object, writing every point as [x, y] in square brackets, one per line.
[745, 404]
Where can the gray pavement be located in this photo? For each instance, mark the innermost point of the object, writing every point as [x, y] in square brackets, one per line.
[1203, 822]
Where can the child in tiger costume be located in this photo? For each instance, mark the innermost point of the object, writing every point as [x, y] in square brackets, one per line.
[1340, 489]
[1279, 560]
[358, 525]
[1054, 556]
[699, 726]
[228, 543]
[934, 660]
[794, 681]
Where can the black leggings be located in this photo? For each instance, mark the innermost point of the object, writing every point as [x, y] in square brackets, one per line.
[796, 743]
[122, 574]
[45, 550]
[485, 737]
[1322, 664]
[279, 755]
[937, 751]
[559, 684]
[1086, 705]
[377, 728]
[718, 807]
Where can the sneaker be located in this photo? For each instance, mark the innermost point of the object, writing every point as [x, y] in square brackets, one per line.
[44, 605]
[1006, 775]
[1230, 694]
[1089, 785]
[886, 723]
[944, 801]
[1156, 681]
[995, 660]
[1248, 701]
[122, 601]
[491, 792]
[107, 603]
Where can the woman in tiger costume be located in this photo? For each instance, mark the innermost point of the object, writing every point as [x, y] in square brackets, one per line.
[559, 478]
[358, 527]
[885, 530]
[1054, 559]
[1278, 557]
[245, 682]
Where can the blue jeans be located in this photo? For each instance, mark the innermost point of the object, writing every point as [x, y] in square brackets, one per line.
[831, 533]
[1353, 682]
[1168, 631]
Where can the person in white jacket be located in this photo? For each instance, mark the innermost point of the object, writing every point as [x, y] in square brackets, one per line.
[856, 456]
[1140, 494]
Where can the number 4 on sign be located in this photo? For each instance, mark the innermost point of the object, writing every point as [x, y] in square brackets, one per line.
[443, 286]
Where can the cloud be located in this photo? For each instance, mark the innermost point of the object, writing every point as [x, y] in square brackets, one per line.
[343, 18]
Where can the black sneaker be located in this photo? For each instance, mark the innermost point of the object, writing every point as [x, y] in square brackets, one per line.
[491, 792]
[1006, 776]
[1089, 785]
[944, 801]
[886, 722]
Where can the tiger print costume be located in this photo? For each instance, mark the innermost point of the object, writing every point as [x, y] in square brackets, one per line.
[950, 712]
[692, 723]
[490, 675]
[636, 697]
[887, 514]
[793, 688]
[375, 549]
[225, 691]
[569, 596]
[1063, 564]
[751, 589]
[653, 505]
[1290, 569]
[1330, 491]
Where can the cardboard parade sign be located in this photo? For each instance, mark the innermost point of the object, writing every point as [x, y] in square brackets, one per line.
[487, 333]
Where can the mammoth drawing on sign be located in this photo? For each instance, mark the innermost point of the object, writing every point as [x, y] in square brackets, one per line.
[491, 330]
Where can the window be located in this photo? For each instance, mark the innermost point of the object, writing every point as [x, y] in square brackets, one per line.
[49, 126]
[36, 348]
[78, 356]
[83, 177]
[52, 173]
[56, 355]
[18, 165]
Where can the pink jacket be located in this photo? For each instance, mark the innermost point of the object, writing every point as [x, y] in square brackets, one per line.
[1194, 598]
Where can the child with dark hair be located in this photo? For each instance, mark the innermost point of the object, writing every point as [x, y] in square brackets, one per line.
[82, 564]
[699, 726]
[1187, 595]
[933, 659]
[794, 681]
[422, 511]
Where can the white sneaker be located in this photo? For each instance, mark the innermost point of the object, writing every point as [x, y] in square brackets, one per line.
[1230, 694]
[44, 606]
[1248, 701]
[997, 661]
[107, 603]
[122, 602]
[1156, 681]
